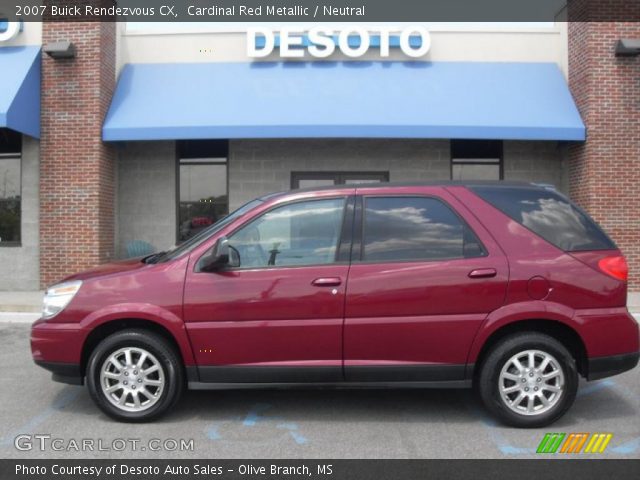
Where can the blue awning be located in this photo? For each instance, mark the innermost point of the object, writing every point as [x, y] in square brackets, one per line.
[471, 100]
[20, 89]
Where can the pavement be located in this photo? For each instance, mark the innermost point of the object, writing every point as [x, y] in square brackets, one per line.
[291, 423]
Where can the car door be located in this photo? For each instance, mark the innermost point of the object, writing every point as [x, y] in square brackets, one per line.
[424, 276]
[278, 316]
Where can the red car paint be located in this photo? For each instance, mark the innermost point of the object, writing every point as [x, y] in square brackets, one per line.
[435, 313]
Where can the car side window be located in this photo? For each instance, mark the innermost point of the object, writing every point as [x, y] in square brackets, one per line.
[302, 233]
[415, 228]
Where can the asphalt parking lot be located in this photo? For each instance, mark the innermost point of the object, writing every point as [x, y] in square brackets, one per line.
[296, 423]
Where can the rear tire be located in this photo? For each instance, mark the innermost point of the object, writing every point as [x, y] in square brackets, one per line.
[528, 380]
[135, 376]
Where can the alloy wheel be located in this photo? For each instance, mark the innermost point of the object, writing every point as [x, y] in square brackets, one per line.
[132, 379]
[531, 382]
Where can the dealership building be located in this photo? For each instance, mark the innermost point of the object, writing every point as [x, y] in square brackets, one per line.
[121, 139]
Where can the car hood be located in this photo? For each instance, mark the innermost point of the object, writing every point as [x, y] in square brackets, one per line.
[109, 269]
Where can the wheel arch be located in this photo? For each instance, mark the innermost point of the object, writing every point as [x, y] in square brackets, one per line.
[103, 330]
[562, 332]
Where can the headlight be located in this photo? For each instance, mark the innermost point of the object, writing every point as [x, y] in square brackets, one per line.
[56, 298]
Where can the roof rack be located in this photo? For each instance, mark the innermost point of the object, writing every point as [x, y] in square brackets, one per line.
[435, 183]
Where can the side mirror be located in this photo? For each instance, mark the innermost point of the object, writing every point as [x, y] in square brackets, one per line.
[234, 257]
[217, 259]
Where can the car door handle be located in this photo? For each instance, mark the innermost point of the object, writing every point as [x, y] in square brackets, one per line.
[327, 282]
[483, 273]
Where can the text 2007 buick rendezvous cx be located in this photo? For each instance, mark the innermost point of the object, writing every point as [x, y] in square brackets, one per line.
[508, 288]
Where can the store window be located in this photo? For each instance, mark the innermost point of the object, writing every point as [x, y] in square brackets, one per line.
[476, 160]
[327, 179]
[10, 187]
[202, 185]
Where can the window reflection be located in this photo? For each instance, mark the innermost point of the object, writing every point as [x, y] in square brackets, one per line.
[405, 228]
[548, 214]
[553, 218]
[10, 187]
[203, 195]
[304, 233]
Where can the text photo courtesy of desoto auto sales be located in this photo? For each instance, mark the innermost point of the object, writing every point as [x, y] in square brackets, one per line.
[333, 240]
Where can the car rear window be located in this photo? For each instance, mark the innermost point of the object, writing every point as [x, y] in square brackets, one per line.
[548, 214]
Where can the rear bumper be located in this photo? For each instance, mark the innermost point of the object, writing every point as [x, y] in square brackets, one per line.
[601, 367]
[612, 340]
[63, 372]
[607, 332]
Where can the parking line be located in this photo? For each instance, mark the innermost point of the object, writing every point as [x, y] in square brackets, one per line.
[212, 433]
[293, 427]
[594, 387]
[254, 414]
[628, 447]
[252, 418]
[494, 434]
[65, 398]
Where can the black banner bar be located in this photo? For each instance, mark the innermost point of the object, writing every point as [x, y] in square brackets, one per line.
[297, 11]
[320, 469]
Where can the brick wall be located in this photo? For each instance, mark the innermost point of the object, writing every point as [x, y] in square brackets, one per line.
[77, 170]
[604, 172]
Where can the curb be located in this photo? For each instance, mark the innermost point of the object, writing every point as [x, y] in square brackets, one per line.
[19, 317]
[20, 309]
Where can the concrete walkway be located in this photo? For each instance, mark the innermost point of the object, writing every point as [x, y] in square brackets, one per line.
[27, 302]
[20, 307]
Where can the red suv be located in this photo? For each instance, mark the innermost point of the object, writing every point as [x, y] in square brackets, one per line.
[509, 288]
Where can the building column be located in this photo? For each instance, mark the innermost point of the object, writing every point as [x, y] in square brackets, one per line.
[604, 172]
[77, 170]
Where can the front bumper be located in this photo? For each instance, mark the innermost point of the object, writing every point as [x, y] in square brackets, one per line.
[57, 347]
[63, 372]
[601, 367]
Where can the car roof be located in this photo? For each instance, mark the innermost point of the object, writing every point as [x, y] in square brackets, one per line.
[435, 183]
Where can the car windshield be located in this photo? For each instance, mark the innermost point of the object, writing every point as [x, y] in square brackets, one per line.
[196, 240]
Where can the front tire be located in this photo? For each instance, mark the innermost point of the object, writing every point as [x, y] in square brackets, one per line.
[528, 380]
[135, 376]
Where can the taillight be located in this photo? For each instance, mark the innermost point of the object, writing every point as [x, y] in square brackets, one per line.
[615, 267]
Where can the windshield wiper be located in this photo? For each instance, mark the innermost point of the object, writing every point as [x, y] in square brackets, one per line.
[153, 258]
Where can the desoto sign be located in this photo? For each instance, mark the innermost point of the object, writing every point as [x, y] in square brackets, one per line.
[322, 42]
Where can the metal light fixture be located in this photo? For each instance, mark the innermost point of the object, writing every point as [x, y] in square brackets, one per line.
[58, 50]
[628, 47]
